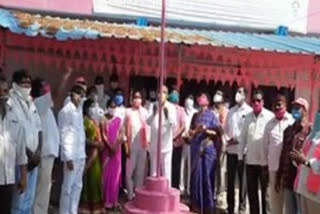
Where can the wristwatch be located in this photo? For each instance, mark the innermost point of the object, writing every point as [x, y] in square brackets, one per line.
[307, 163]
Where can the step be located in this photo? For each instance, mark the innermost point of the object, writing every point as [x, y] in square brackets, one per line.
[157, 201]
[160, 184]
[129, 208]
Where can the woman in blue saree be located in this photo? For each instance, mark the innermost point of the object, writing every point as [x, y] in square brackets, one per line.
[204, 132]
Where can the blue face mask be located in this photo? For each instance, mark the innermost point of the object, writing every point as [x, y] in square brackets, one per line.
[118, 99]
[173, 98]
[316, 126]
[296, 114]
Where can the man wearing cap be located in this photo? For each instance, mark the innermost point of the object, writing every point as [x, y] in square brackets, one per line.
[307, 182]
[293, 139]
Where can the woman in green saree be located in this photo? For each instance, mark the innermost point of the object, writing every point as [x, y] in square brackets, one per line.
[91, 197]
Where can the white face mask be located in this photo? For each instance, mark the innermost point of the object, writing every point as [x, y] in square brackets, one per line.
[94, 98]
[153, 95]
[189, 103]
[91, 112]
[239, 97]
[217, 98]
[23, 92]
[100, 89]
[111, 111]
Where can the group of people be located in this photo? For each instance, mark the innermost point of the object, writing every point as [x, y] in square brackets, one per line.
[106, 148]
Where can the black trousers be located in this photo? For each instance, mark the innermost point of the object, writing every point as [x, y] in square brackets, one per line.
[176, 166]
[123, 168]
[234, 168]
[258, 175]
[6, 194]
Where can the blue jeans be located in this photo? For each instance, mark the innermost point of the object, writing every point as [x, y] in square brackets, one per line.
[291, 201]
[22, 203]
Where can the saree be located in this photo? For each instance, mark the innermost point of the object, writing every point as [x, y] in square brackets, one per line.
[111, 176]
[203, 164]
[91, 201]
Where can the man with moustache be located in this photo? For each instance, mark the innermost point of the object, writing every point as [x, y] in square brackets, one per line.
[251, 144]
[13, 152]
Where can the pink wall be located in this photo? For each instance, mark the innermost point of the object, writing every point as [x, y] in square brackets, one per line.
[314, 16]
[65, 6]
[85, 7]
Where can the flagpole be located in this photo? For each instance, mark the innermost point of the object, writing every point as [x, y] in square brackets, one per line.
[161, 83]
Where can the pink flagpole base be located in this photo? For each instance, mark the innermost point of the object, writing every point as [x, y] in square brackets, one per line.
[156, 197]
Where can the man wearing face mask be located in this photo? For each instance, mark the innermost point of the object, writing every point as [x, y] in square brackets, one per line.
[251, 144]
[186, 154]
[137, 130]
[80, 81]
[169, 122]
[27, 114]
[233, 125]
[119, 100]
[102, 96]
[12, 150]
[307, 182]
[73, 155]
[41, 94]
[273, 141]
[219, 108]
[151, 101]
[177, 139]
[294, 137]
[221, 111]
[96, 112]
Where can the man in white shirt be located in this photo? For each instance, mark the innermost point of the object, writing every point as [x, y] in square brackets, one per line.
[177, 138]
[102, 96]
[169, 122]
[80, 81]
[12, 150]
[151, 101]
[251, 144]
[41, 93]
[186, 153]
[137, 134]
[234, 123]
[273, 140]
[98, 113]
[73, 155]
[27, 114]
[119, 100]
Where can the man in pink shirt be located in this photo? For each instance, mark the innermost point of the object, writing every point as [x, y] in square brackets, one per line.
[177, 138]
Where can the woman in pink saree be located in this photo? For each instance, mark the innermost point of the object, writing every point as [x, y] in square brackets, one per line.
[111, 129]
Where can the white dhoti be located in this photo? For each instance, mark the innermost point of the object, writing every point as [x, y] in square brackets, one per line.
[43, 189]
[308, 206]
[185, 174]
[277, 198]
[135, 170]
[71, 188]
[165, 164]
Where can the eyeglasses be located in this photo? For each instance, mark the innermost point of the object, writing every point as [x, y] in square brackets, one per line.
[256, 100]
